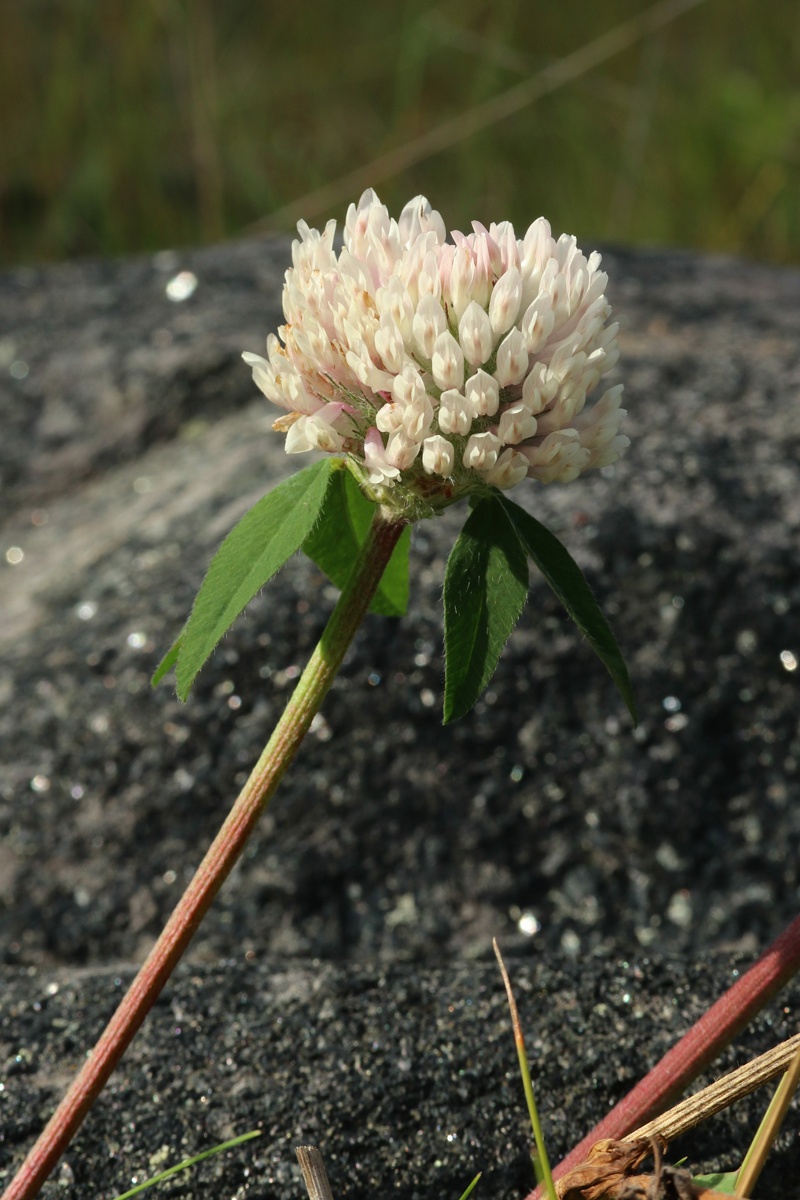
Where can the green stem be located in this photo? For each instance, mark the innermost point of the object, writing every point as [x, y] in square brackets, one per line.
[707, 1038]
[225, 850]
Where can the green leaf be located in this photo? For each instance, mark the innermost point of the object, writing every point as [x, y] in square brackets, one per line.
[189, 1162]
[724, 1182]
[485, 585]
[336, 539]
[255, 549]
[566, 579]
[168, 661]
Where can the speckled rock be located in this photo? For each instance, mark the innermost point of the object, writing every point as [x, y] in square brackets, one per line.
[133, 441]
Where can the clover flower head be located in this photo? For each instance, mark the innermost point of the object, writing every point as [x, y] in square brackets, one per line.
[439, 367]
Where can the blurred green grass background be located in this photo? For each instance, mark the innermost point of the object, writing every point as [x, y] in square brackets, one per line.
[130, 125]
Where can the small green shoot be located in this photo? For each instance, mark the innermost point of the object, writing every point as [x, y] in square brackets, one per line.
[189, 1162]
[541, 1162]
[468, 1192]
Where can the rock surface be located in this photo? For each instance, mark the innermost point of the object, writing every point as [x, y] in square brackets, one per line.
[406, 1077]
[395, 849]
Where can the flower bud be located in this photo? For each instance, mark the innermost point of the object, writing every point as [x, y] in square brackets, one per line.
[379, 337]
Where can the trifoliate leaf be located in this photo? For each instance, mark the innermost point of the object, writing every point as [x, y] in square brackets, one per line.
[567, 581]
[485, 585]
[255, 549]
[336, 539]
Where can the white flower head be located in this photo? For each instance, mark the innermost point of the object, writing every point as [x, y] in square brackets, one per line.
[440, 368]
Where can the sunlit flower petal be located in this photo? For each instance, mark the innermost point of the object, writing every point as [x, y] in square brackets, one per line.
[504, 304]
[454, 413]
[447, 363]
[483, 394]
[512, 359]
[481, 451]
[438, 456]
[475, 334]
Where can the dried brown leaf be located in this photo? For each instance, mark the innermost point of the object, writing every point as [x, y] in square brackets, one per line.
[609, 1174]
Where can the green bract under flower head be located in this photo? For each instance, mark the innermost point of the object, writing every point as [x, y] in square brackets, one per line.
[440, 367]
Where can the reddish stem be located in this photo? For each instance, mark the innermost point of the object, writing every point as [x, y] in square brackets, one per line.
[221, 857]
[662, 1086]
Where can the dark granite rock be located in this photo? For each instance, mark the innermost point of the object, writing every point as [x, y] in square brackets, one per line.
[132, 441]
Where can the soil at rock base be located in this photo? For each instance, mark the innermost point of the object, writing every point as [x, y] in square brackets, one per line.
[356, 1003]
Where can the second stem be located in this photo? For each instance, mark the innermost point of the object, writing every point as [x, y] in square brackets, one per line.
[224, 852]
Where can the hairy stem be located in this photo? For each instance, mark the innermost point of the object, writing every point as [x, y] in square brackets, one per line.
[221, 857]
[707, 1038]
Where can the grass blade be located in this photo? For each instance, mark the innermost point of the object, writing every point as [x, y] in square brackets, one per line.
[543, 1173]
[189, 1162]
[468, 1192]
